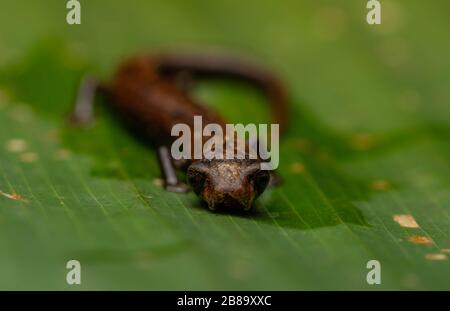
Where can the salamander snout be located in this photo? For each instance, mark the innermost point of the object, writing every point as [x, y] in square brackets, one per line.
[228, 184]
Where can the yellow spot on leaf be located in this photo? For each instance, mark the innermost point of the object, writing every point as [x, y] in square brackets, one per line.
[158, 182]
[445, 250]
[52, 136]
[13, 196]
[297, 167]
[406, 221]
[363, 141]
[29, 157]
[420, 239]
[16, 145]
[436, 256]
[380, 185]
[62, 154]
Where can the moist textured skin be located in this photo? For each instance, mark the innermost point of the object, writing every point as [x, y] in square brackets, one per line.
[147, 93]
[152, 103]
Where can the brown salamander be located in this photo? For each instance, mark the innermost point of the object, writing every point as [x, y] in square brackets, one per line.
[151, 93]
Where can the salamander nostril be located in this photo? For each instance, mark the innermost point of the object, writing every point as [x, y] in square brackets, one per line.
[230, 203]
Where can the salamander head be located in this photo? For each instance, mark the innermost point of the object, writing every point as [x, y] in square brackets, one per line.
[228, 184]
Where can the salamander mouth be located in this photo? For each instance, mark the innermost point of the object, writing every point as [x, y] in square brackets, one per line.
[229, 203]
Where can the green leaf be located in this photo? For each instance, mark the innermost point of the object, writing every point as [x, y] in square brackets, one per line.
[368, 141]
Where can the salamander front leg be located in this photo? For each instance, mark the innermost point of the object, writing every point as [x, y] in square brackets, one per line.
[171, 182]
[83, 111]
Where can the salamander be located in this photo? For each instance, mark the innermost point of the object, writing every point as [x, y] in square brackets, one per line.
[151, 93]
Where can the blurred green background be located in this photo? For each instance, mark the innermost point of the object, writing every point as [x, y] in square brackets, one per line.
[369, 140]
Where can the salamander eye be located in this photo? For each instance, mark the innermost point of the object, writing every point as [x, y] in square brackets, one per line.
[260, 180]
[196, 179]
